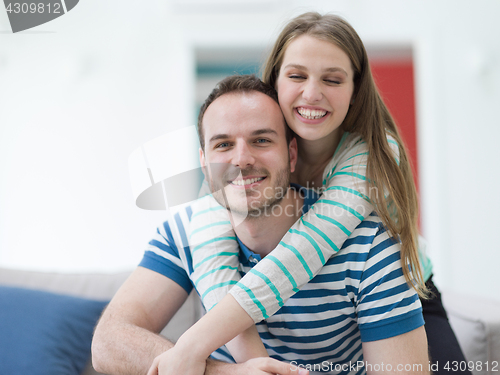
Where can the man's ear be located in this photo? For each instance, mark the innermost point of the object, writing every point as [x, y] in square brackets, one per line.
[293, 153]
[203, 162]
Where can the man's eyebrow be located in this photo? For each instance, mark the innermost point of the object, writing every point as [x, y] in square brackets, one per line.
[265, 131]
[333, 69]
[218, 137]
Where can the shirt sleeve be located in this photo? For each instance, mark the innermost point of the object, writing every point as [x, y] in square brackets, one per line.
[386, 306]
[162, 256]
[214, 250]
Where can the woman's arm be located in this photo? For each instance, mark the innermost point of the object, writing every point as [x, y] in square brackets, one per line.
[197, 343]
[314, 238]
[215, 251]
[317, 236]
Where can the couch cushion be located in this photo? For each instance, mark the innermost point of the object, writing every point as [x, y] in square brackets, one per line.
[99, 286]
[45, 333]
[476, 323]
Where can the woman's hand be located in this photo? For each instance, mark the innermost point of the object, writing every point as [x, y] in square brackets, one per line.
[270, 366]
[175, 361]
[254, 366]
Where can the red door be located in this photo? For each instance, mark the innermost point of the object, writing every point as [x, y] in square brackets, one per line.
[394, 78]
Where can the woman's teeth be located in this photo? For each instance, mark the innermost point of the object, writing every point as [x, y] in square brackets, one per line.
[311, 114]
[247, 181]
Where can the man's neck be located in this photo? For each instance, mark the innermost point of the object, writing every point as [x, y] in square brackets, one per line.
[262, 234]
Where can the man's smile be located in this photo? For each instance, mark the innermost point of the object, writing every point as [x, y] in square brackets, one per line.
[246, 182]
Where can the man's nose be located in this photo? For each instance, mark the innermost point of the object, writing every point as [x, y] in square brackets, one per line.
[312, 92]
[243, 156]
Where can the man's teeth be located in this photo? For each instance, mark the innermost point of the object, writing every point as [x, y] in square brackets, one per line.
[311, 114]
[248, 181]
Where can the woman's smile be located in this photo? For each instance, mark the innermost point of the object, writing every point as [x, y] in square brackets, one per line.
[311, 114]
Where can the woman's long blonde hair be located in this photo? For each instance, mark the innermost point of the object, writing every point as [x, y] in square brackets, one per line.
[369, 117]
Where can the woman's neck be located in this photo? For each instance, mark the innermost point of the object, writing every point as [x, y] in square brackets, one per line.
[313, 157]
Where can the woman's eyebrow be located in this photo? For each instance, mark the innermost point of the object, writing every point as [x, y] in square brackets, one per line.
[336, 69]
[333, 69]
[296, 66]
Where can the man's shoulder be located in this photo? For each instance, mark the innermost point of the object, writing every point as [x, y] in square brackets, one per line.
[166, 253]
[176, 231]
[371, 227]
[177, 222]
[368, 238]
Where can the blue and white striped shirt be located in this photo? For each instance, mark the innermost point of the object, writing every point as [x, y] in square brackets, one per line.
[360, 295]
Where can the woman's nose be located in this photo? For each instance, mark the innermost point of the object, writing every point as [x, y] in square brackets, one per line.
[312, 92]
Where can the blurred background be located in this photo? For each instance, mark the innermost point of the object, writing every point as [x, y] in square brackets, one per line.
[79, 94]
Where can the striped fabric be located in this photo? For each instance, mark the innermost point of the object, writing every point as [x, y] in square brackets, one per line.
[302, 252]
[360, 295]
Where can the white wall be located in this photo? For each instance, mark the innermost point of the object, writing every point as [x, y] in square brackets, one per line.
[76, 100]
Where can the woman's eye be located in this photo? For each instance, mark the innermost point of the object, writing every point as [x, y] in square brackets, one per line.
[333, 81]
[296, 76]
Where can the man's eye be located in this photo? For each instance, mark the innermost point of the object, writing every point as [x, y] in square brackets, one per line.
[262, 140]
[222, 145]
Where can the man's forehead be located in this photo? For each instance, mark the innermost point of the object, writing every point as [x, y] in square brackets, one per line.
[248, 99]
[238, 111]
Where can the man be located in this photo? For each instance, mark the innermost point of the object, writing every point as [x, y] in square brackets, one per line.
[357, 315]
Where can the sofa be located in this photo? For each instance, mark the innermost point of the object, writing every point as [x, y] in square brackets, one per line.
[23, 295]
[33, 301]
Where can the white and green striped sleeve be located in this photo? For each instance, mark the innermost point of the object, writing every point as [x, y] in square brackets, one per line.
[214, 251]
[314, 238]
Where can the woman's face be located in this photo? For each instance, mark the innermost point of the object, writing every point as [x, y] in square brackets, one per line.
[315, 87]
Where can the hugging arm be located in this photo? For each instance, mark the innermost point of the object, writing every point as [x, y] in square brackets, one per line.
[215, 251]
[301, 254]
[314, 238]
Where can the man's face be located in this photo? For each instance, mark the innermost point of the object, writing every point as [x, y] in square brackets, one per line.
[246, 153]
